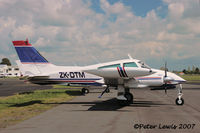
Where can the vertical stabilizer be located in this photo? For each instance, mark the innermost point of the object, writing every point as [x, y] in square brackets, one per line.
[27, 53]
[31, 62]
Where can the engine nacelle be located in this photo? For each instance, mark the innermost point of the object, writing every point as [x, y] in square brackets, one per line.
[168, 79]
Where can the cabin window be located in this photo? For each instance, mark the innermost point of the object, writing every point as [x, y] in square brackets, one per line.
[130, 64]
[110, 66]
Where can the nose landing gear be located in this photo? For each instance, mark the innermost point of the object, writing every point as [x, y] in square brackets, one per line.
[179, 101]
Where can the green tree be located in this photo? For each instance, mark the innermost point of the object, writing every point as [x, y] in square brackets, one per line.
[185, 71]
[6, 61]
[196, 70]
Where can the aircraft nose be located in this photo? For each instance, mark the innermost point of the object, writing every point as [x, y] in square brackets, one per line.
[177, 78]
[183, 80]
[180, 79]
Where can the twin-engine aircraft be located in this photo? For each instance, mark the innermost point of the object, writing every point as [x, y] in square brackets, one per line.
[122, 74]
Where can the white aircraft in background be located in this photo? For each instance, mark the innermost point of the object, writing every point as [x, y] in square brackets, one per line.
[122, 74]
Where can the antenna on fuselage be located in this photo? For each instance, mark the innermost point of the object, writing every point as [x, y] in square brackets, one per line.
[130, 56]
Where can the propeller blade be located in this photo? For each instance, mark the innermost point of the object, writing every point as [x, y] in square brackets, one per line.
[165, 69]
[165, 77]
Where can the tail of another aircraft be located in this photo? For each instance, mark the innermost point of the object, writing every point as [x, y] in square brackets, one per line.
[27, 53]
[32, 63]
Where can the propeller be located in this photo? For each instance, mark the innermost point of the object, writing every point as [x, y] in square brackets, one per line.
[165, 77]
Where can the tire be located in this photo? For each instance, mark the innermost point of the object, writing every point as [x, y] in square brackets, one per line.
[179, 101]
[129, 97]
[85, 91]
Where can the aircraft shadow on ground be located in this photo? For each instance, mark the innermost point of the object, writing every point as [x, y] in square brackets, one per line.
[27, 103]
[79, 93]
[113, 105]
[73, 93]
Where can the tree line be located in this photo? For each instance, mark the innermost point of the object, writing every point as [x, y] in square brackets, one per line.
[5, 61]
[194, 70]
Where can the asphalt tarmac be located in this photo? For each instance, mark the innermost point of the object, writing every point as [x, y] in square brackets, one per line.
[10, 86]
[152, 111]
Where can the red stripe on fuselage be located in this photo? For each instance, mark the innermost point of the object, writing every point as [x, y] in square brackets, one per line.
[124, 72]
[90, 81]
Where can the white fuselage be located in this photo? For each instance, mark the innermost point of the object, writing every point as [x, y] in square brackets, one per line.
[95, 75]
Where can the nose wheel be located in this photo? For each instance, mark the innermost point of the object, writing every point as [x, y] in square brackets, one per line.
[179, 100]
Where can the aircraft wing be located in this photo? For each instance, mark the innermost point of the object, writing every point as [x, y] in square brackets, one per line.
[119, 72]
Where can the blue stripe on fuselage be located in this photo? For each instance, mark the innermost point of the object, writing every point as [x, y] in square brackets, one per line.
[122, 72]
[92, 84]
[81, 81]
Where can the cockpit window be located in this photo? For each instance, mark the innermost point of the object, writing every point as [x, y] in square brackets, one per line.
[110, 66]
[143, 65]
[130, 64]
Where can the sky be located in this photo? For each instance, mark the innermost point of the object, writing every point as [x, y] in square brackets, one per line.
[84, 32]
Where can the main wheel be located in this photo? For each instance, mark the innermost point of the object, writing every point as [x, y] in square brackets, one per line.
[179, 101]
[85, 91]
[129, 97]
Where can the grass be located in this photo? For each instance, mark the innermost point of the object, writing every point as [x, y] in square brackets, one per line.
[14, 109]
[65, 87]
[191, 77]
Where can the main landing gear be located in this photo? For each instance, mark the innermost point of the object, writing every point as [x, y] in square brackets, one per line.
[179, 100]
[124, 96]
[85, 91]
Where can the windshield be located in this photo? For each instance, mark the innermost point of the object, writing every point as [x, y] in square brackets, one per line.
[143, 65]
[130, 64]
